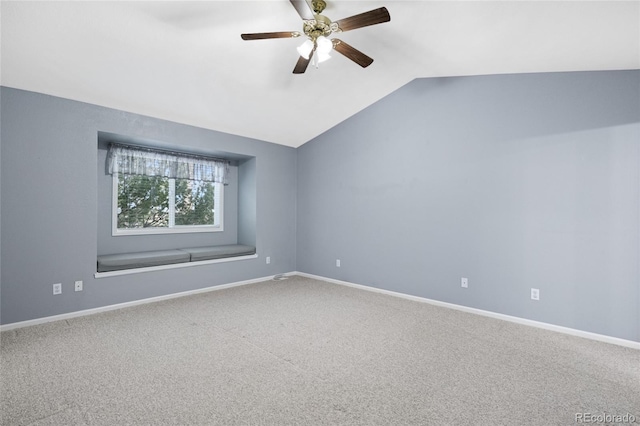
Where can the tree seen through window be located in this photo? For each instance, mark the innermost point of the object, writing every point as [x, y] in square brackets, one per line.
[160, 202]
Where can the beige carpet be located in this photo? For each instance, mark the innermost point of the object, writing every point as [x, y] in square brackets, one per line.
[306, 352]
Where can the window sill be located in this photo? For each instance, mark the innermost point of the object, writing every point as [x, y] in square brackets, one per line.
[172, 266]
[165, 231]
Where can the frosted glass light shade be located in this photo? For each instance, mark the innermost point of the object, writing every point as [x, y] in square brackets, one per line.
[305, 49]
[324, 45]
[322, 56]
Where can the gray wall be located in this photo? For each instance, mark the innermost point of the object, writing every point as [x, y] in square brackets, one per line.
[247, 203]
[514, 181]
[1, 138]
[50, 206]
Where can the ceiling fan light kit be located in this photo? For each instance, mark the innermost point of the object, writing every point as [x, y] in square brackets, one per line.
[318, 28]
[305, 49]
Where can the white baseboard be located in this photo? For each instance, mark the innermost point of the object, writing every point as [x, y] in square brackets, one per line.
[565, 330]
[85, 312]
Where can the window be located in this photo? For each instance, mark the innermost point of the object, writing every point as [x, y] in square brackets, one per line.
[153, 204]
[156, 193]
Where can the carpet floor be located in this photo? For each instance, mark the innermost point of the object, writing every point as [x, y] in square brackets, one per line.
[306, 352]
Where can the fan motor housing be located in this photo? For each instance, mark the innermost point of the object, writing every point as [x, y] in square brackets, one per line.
[320, 26]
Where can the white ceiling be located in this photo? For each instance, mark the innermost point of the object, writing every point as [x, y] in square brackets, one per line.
[185, 61]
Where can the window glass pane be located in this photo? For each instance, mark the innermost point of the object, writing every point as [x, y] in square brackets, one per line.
[195, 202]
[143, 201]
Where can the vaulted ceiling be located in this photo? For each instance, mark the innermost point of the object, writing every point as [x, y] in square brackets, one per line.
[185, 61]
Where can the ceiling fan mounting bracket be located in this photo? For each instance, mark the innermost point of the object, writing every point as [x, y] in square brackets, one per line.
[318, 6]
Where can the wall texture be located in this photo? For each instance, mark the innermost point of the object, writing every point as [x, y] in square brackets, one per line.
[514, 181]
[49, 216]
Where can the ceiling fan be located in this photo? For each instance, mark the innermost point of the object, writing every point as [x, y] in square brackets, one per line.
[318, 27]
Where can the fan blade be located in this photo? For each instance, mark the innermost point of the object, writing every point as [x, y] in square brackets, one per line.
[302, 64]
[372, 17]
[352, 53]
[262, 36]
[303, 9]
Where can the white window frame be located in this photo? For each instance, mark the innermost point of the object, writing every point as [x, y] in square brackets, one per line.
[172, 229]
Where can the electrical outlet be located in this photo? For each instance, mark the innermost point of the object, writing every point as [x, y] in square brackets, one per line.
[337, 263]
[57, 288]
[535, 294]
[78, 286]
[268, 260]
[464, 282]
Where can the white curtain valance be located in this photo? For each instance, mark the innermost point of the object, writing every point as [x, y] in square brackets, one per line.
[150, 162]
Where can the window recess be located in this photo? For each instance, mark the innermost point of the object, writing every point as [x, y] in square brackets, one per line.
[158, 192]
